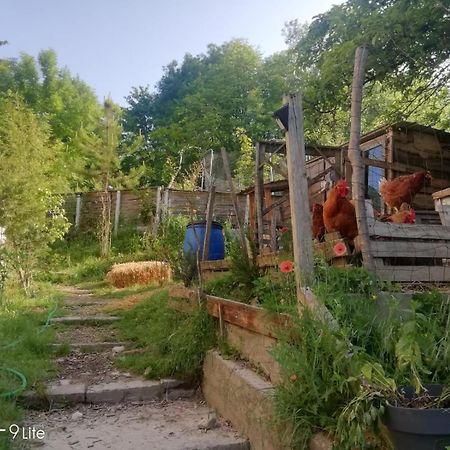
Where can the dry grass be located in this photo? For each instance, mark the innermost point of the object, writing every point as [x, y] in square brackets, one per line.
[143, 272]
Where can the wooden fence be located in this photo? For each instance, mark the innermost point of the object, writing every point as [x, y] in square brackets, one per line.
[145, 208]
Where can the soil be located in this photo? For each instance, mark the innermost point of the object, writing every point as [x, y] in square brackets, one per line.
[83, 334]
[90, 368]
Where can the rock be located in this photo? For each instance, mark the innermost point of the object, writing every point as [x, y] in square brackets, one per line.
[118, 349]
[77, 415]
[65, 382]
[210, 424]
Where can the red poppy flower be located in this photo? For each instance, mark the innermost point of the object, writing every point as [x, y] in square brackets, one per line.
[284, 230]
[286, 266]
[340, 249]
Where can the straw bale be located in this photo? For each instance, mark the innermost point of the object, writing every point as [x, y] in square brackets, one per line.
[142, 272]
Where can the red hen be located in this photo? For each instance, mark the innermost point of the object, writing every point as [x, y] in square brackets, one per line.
[403, 189]
[318, 227]
[338, 213]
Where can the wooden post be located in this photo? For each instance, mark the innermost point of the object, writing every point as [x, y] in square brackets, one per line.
[354, 154]
[209, 217]
[259, 192]
[117, 213]
[78, 211]
[157, 211]
[165, 210]
[299, 200]
[226, 166]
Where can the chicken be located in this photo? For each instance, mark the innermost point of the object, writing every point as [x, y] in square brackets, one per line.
[339, 213]
[318, 227]
[403, 189]
[405, 215]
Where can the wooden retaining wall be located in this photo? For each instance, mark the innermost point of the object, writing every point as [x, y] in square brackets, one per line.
[141, 207]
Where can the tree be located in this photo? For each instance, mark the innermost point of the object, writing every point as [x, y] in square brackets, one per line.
[408, 54]
[68, 103]
[30, 207]
[198, 105]
[101, 150]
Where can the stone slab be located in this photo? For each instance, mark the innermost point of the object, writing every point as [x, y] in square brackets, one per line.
[75, 320]
[120, 391]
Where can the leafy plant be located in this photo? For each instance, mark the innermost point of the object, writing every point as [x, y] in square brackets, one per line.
[171, 343]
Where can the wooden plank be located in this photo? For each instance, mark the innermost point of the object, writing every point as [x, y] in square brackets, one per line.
[259, 191]
[410, 248]
[221, 264]
[298, 194]
[226, 166]
[249, 317]
[268, 260]
[158, 211]
[117, 213]
[430, 274]
[78, 211]
[209, 217]
[409, 231]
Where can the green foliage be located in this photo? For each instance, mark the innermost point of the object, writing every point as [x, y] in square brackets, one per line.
[24, 346]
[173, 343]
[199, 105]
[167, 246]
[30, 210]
[243, 269]
[407, 67]
[68, 103]
[339, 379]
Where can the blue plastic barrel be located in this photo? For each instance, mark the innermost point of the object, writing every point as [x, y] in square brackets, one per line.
[195, 235]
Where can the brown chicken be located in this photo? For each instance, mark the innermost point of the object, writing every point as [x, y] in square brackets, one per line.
[403, 189]
[405, 215]
[318, 227]
[338, 213]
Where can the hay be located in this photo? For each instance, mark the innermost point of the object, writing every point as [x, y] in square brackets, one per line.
[143, 272]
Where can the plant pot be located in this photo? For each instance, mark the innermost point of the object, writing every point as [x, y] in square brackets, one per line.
[419, 428]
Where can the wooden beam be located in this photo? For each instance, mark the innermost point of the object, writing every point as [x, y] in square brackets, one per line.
[430, 274]
[406, 231]
[157, 211]
[259, 192]
[411, 249]
[299, 199]
[78, 211]
[246, 316]
[209, 217]
[226, 166]
[117, 213]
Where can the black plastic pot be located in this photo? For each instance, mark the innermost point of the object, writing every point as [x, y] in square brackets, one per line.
[418, 428]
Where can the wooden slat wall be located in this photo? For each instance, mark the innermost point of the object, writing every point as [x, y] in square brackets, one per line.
[137, 207]
[411, 253]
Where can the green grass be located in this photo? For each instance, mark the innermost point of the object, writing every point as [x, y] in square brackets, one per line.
[24, 347]
[172, 343]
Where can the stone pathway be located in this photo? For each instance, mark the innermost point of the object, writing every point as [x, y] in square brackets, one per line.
[92, 404]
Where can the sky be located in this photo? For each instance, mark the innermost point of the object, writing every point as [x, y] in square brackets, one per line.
[114, 45]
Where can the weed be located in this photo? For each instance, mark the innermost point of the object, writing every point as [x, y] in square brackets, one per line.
[172, 343]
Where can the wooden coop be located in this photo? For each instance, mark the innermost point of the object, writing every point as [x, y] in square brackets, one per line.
[406, 253]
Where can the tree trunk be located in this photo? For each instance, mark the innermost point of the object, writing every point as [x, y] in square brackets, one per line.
[354, 154]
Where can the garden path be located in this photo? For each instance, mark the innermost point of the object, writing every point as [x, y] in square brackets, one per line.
[92, 404]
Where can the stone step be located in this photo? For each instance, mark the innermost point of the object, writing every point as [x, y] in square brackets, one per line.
[134, 390]
[78, 320]
[178, 425]
[92, 347]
